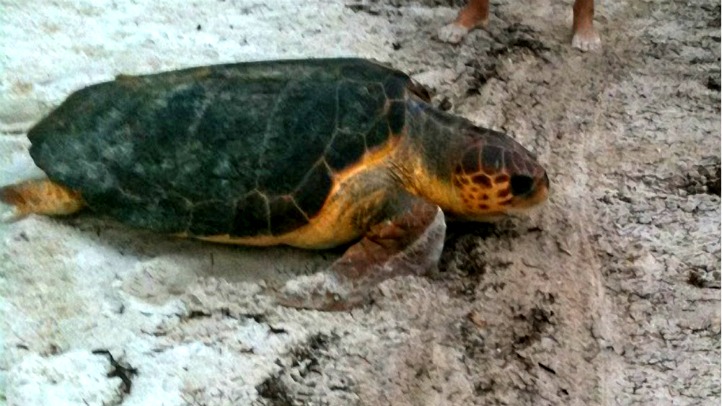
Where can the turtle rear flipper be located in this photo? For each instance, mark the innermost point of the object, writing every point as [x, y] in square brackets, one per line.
[40, 196]
[409, 242]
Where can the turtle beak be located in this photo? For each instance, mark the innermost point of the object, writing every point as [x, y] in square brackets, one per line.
[541, 189]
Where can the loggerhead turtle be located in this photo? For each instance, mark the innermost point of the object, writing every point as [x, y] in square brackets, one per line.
[308, 153]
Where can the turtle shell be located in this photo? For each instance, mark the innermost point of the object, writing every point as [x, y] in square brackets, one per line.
[244, 149]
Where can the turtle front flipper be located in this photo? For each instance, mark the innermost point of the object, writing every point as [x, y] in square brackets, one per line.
[40, 196]
[408, 241]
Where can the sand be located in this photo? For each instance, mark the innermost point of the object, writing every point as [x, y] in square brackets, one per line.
[607, 295]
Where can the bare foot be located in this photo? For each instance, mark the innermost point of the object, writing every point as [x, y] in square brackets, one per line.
[586, 40]
[474, 14]
[452, 33]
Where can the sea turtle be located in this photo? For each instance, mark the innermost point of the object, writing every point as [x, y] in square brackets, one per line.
[309, 153]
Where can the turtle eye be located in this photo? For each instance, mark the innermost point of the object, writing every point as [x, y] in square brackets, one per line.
[521, 184]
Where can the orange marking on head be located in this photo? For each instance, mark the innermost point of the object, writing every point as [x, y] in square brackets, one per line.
[482, 180]
[502, 178]
[482, 193]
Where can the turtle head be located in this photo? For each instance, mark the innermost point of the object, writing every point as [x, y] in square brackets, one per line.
[493, 175]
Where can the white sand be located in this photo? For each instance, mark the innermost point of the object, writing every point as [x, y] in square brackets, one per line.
[599, 296]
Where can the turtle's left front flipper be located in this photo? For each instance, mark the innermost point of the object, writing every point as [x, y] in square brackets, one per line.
[409, 241]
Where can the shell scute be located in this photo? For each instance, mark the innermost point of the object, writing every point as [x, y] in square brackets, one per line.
[378, 135]
[304, 122]
[165, 213]
[285, 215]
[251, 216]
[312, 192]
[212, 217]
[345, 150]
[396, 117]
[359, 106]
[395, 86]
